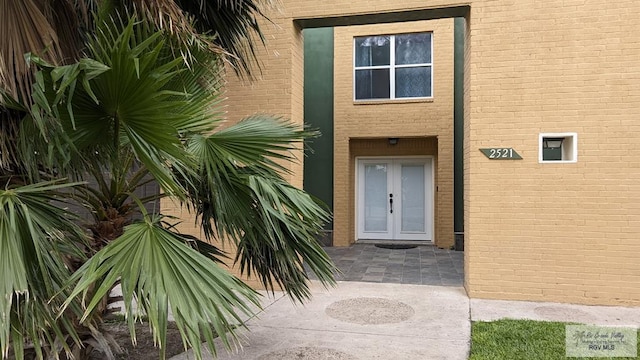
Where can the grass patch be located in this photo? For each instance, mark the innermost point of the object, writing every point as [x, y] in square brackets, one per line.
[520, 339]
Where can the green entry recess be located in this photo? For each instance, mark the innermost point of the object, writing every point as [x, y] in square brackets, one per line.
[318, 113]
[318, 97]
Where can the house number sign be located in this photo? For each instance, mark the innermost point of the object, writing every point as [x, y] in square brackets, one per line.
[501, 154]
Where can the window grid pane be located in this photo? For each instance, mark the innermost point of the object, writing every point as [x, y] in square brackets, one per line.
[372, 84]
[373, 51]
[411, 82]
[413, 49]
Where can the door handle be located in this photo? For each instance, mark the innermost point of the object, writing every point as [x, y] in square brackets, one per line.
[391, 203]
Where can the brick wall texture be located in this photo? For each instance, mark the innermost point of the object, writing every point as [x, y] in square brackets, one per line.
[542, 232]
[557, 232]
[423, 127]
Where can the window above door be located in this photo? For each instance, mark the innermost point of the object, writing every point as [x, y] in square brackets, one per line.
[393, 66]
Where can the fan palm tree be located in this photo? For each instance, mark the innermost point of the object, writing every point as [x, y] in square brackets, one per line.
[103, 104]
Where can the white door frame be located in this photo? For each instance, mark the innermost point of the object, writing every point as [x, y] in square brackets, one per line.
[429, 198]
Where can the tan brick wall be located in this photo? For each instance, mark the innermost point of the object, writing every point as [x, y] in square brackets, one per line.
[278, 87]
[354, 121]
[555, 232]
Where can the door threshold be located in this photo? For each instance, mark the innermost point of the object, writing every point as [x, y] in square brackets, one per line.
[395, 242]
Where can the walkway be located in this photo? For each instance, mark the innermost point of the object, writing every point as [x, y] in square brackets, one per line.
[422, 265]
[386, 309]
[381, 313]
[360, 321]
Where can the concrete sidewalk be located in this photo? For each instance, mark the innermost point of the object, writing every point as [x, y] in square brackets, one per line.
[490, 310]
[359, 320]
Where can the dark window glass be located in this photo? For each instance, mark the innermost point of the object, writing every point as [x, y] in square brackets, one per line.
[373, 50]
[413, 49]
[372, 84]
[413, 82]
[552, 149]
[552, 154]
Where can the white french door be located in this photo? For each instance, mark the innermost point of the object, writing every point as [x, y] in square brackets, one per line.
[395, 198]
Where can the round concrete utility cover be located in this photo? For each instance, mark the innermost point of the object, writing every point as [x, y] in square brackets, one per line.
[370, 311]
[307, 353]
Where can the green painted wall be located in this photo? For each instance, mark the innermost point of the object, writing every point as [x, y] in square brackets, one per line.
[458, 125]
[318, 113]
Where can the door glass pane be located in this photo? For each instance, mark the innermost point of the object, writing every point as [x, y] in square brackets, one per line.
[372, 84]
[413, 198]
[413, 49]
[375, 197]
[413, 82]
[373, 50]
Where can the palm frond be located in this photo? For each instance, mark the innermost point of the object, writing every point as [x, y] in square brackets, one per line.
[159, 270]
[262, 141]
[287, 224]
[36, 237]
[132, 93]
[47, 28]
[168, 15]
[240, 194]
[9, 134]
[229, 28]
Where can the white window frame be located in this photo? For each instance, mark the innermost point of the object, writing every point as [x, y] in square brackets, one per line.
[569, 147]
[392, 68]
